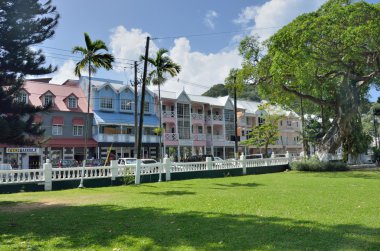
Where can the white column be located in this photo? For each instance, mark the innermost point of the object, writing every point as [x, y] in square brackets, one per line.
[47, 168]
[243, 163]
[113, 169]
[137, 171]
[167, 165]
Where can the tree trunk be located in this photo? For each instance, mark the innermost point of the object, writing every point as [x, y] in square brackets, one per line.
[346, 114]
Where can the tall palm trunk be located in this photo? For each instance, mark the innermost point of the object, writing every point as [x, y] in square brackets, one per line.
[160, 121]
[88, 110]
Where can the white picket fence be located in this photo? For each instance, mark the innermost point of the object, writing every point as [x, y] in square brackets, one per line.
[47, 175]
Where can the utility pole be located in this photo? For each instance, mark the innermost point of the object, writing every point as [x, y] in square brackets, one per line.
[375, 129]
[235, 120]
[136, 104]
[141, 124]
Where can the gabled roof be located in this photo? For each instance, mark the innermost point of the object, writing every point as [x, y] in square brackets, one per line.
[61, 92]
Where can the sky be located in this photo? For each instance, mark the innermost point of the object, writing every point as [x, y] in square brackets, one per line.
[201, 35]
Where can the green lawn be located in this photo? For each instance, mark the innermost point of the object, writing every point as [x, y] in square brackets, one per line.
[282, 211]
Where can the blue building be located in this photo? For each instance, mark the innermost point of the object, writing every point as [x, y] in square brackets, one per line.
[113, 106]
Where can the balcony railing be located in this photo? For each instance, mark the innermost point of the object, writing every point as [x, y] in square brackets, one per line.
[124, 138]
[216, 117]
[197, 116]
[198, 137]
[171, 136]
[168, 114]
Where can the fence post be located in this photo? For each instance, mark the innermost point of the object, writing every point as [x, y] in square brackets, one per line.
[272, 155]
[114, 168]
[208, 163]
[244, 163]
[137, 171]
[167, 165]
[47, 175]
[287, 155]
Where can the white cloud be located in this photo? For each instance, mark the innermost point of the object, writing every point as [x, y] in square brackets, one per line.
[128, 44]
[209, 19]
[65, 72]
[199, 71]
[266, 19]
[200, 68]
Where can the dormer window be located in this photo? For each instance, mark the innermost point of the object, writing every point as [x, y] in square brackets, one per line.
[126, 105]
[106, 103]
[72, 102]
[48, 99]
[22, 97]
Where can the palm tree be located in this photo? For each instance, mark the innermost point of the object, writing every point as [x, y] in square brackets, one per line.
[163, 66]
[92, 60]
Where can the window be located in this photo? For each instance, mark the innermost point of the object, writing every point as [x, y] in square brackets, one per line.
[281, 123]
[72, 102]
[22, 98]
[164, 108]
[78, 130]
[200, 111]
[200, 129]
[126, 105]
[146, 107]
[57, 130]
[106, 103]
[48, 99]
[261, 120]
[289, 123]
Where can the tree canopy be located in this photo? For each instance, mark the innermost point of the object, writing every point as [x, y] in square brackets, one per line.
[328, 57]
[23, 23]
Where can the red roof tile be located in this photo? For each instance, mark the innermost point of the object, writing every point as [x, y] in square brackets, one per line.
[61, 92]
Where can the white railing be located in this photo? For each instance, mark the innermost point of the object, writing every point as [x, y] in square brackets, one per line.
[48, 174]
[171, 136]
[168, 114]
[199, 136]
[21, 176]
[216, 117]
[197, 116]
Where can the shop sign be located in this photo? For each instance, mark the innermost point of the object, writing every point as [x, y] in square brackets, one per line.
[22, 150]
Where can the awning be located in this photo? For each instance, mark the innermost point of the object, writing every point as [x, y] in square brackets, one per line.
[78, 121]
[57, 120]
[70, 142]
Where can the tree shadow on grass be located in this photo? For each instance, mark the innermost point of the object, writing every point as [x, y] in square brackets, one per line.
[350, 174]
[97, 227]
[170, 193]
[235, 184]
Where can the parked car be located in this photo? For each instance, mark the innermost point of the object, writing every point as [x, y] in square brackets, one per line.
[126, 161]
[68, 163]
[199, 158]
[255, 156]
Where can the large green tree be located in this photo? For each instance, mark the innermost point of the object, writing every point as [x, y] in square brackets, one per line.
[23, 23]
[93, 59]
[163, 67]
[328, 57]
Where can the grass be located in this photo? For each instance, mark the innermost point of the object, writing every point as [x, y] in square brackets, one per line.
[282, 211]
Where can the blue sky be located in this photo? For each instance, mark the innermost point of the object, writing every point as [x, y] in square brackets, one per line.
[201, 35]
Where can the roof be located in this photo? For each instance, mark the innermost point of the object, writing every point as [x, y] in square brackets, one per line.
[251, 107]
[61, 92]
[123, 118]
[207, 100]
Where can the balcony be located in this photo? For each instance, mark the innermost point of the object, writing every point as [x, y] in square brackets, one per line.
[198, 137]
[171, 139]
[197, 117]
[124, 138]
[127, 138]
[168, 116]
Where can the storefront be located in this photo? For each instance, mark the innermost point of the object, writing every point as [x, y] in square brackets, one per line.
[22, 157]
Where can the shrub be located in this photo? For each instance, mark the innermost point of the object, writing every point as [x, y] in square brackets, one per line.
[314, 165]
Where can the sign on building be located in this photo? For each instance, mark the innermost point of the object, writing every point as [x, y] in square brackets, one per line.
[23, 150]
